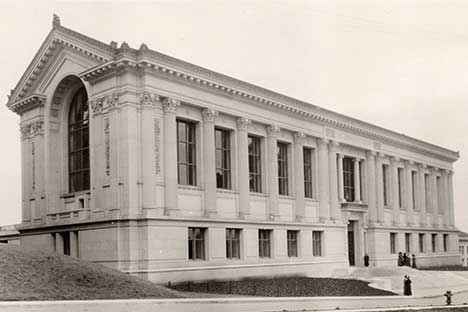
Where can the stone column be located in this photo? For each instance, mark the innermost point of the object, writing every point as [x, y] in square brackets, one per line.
[333, 177]
[209, 161]
[450, 200]
[299, 175]
[272, 132]
[59, 243]
[394, 190]
[445, 197]
[357, 181]
[74, 247]
[324, 213]
[170, 156]
[371, 188]
[380, 186]
[434, 197]
[408, 201]
[243, 165]
[340, 179]
[422, 193]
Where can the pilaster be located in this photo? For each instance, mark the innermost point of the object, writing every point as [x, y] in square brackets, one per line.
[272, 132]
[299, 175]
[333, 177]
[243, 165]
[371, 187]
[324, 213]
[209, 161]
[379, 186]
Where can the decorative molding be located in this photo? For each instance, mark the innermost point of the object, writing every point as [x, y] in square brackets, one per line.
[298, 137]
[273, 130]
[377, 145]
[33, 165]
[32, 129]
[149, 100]
[157, 138]
[209, 115]
[104, 103]
[170, 105]
[107, 145]
[243, 123]
[29, 103]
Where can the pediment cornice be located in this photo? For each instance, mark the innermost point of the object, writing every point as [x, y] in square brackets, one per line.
[31, 102]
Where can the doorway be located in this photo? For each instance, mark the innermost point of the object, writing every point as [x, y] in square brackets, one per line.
[351, 249]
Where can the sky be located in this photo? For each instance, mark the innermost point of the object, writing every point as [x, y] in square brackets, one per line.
[402, 65]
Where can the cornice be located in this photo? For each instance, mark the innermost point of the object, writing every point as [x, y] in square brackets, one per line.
[31, 102]
[114, 58]
[147, 65]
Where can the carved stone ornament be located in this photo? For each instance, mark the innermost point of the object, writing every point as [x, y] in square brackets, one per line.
[157, 138]
[299, 137]
[170, 105]
[322, 143]
[104, 103]
[107, 145]
[209, 115]
[273, 130]
[149, 100]
[32, 129]
[243, 123]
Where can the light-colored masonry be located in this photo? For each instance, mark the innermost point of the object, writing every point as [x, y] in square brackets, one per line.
[305, 190]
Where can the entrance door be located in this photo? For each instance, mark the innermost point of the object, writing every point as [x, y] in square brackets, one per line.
[351, 243]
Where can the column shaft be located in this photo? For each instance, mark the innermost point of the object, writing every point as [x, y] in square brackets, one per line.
[409, 194]
[357, 181]
[450, 200]
[273, 171]
[340, 178]
[394, 190]
[209, 161]
[324, 214]
[434, 197]
[299, 175]
[333, 178]
[170, 156]
[371, 188]
[422, 194]
[380, 186]
[243, 165]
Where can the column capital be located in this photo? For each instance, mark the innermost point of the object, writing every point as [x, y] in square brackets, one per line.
[322, 142]
[409, 162]
[273, 130]
[170, 105]
[371, 153]
[299, 137]
[149, 100]
[209, 115]
[380, 155]
[334, 143]
[394, 159]
[243, 123]
[434, 169]
[422, 166]
[447, 171]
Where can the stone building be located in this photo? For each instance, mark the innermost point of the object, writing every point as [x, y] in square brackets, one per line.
[170, 171]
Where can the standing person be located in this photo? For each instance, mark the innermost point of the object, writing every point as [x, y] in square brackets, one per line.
[400, 259]
[413, 265]
[407, 286]
[366, 259]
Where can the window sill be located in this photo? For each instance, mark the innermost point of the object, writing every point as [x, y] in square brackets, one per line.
[69, 195]
[189, 187]
[226, 191]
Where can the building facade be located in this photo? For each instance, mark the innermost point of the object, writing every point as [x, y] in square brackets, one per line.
[170, 171]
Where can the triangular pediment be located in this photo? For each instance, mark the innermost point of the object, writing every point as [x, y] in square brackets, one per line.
[61, 45]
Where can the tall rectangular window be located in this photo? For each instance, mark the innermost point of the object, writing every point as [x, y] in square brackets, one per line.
[408, 242]
[66, 242]
[196, 243]
[255, 174]
[421, 242]
[283, 169]
[264, 243]
[385, 184]
[317, 243]
[292, 243]
[186, 153]
[308, 177]
[400, 186]
[348, 179]
[413, 187]
[223, 158]
[434, 242]
[233, 243]
[393, 246]
[445, 239]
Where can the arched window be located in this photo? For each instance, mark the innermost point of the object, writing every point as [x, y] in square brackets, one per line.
[78, 142]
